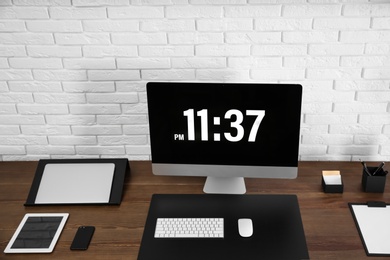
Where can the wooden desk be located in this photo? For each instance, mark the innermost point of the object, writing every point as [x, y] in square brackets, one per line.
[329, 227]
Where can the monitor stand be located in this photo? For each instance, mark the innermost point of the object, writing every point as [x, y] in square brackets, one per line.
[225, 185]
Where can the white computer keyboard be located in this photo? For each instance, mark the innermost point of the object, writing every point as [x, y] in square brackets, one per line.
[189, 228]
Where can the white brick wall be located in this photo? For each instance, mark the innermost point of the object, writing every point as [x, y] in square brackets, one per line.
[73, 72]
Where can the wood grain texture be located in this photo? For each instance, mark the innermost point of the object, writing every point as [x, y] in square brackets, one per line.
[328, 224]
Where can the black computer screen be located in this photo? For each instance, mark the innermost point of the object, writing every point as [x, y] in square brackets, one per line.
[224, 123]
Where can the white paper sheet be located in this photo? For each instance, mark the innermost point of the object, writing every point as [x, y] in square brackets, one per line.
[374, 224]
[76, 183]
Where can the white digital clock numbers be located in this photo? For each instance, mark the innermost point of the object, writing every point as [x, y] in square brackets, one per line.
[236, 117]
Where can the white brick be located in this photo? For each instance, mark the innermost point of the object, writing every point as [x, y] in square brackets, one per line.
[50, 149]
[331, 119]
[317, 108]
[110, 26]
[311, 10]
[222, 75]
[167, 25]
[373, 96]
[253, 37]
[15, 75]
[194, 12]
[365, 36]
[23, 12]
[43, 2]
[222, 50]
[115, 98]
[311, 61]
[377, 48]
[58, 98]
[196, 38]
[340, 73]
[342, 23]
[22, 120]
[53, 75]
[7, 109]
[139, 38]
[353, 149]
[12, 51]
[199, 63]
[136, 129]
[143, 63]
[253, 11]
[45, 130]
[362, 85]
[224, 25]
[54, 51]
[134, 12]
[329, 96]
[12, 26]
[366, 9]
[99, 2]
[88, 109]
[27, 38]
[81, 39]
[173, 74]
[327, 139]
[77, 13]
[35, 63]
[122, 140]
[54, 26]
[12, 149]
[381, 23]
[122, 119]
[72, 140]
[130, 86]
[372, 139]
[22, 140]
[309, 37]
[110, 51]
[37, 109]
[283, 24]
[375, 119]
[166, 51]
[4, 63]
[359, 107]
[336, 49]
[365, 61]
[354, 129]
[100, 150]
[379, 73]
[97, 130]
[71, 120]
[83, 87]
[279, 49]
[137, 108]
[114, 75]
[89, 63]
[305, 149]
[9, 130]
[16, 98]
[278, 74]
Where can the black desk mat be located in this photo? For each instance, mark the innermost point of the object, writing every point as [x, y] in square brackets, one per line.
[277, 227]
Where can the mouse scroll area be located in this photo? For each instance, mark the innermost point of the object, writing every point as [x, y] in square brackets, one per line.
[245, 227]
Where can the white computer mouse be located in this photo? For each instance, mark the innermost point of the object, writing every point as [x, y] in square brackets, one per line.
[245, 227]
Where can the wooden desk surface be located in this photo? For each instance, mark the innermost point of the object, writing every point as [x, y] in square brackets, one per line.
[329, 227]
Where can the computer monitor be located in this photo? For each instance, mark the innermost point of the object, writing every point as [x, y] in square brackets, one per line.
[224, 131]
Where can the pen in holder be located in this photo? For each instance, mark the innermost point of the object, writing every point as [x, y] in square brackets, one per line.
[374, 179]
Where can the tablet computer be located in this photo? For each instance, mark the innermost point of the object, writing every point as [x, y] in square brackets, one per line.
[37, 233]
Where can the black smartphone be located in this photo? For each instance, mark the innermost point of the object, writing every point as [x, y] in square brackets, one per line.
[82, 238]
